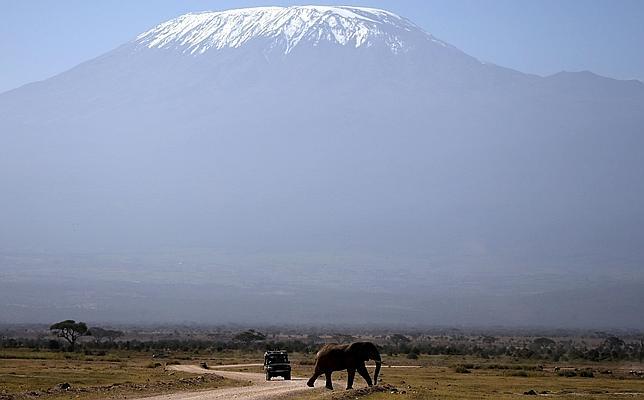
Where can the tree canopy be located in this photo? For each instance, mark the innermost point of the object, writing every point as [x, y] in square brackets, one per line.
[70, 330]
[99, 334]
[249, 336]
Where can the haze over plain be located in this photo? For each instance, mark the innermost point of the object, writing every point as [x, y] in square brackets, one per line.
[319, 164]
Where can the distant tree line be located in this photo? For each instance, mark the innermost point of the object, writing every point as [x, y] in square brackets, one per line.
[71, 333]
[610, 348]
[67, 336]
[172, 345]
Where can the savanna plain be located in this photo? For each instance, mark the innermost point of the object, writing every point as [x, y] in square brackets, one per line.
[181, 363]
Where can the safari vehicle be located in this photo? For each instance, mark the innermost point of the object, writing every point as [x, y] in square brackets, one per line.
[276, 363]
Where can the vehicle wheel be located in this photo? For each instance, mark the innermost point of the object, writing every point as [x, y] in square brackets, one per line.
[287, 377]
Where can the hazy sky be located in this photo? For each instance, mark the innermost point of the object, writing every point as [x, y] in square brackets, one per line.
[40, 38]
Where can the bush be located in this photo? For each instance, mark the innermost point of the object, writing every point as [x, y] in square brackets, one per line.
[568, 373]
[461, 369]
[53, 344]
[587, 373]
[412, 356]
[520, 373]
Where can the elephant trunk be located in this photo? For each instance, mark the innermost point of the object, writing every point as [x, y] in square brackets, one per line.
[375, 374]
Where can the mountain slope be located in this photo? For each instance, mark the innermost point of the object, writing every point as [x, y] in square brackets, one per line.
[329, 135]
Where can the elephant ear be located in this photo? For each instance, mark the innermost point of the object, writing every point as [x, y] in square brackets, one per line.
[361, 349]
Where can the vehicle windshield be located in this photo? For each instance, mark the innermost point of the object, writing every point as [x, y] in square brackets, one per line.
[276, 358]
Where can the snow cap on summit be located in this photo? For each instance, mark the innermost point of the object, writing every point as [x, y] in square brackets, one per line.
[196, 33]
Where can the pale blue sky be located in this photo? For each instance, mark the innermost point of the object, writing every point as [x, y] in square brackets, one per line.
[40, 38]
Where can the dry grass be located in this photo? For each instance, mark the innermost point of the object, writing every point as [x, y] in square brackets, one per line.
[27, 374]
[501, 379]
[121, 374]
[491, 380]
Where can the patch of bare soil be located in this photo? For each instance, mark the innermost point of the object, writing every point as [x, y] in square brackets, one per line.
[355, 393]
[259, 388]
[117, 390]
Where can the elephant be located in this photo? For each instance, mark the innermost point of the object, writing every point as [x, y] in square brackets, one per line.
[338, 357]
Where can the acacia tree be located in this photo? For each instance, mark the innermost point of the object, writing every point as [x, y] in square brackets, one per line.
[100, 333]
[543, 346]
[400, 342]
[70, 330]
[249, 336]
[613, 348]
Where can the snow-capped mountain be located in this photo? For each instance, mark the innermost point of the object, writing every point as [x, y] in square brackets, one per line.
[285, 27]
[333, 136]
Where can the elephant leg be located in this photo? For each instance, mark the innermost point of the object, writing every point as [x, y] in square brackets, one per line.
[314, 377]
[351, 373]
[329, 383]
[362, 370]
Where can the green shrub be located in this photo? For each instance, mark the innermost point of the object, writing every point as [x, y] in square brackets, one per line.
[461, 369]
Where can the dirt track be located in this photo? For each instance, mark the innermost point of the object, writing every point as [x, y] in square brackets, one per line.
[260, 389]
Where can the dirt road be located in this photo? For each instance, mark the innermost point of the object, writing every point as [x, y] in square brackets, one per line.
[260, 389]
